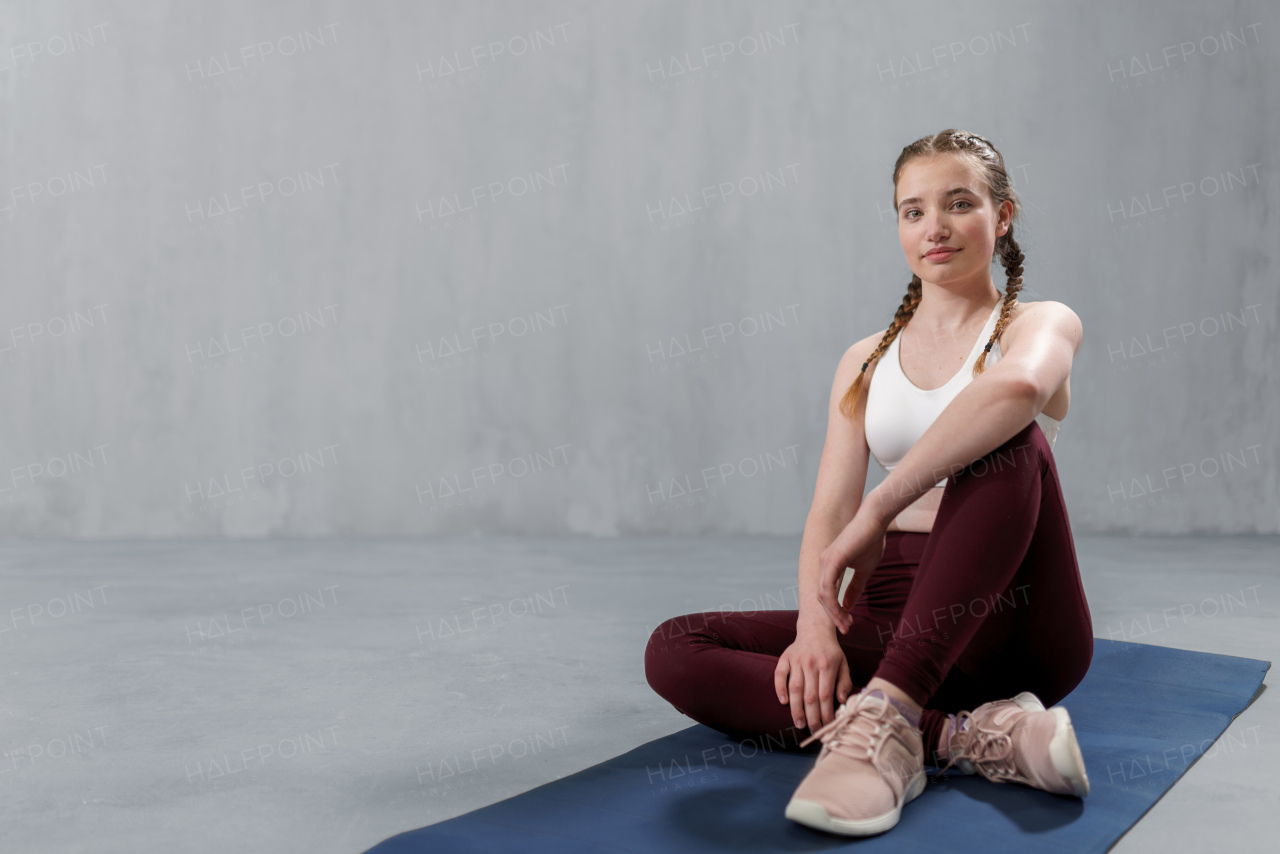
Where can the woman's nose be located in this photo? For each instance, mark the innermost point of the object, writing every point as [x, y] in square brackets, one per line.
[936, 227]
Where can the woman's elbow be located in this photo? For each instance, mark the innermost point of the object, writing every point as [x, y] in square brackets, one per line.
[1028, 389]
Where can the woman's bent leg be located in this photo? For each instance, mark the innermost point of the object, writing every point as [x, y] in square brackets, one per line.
[997, 595]
[718, 667]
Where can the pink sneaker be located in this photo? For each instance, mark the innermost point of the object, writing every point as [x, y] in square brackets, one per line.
[1020, 741]
[870, 765]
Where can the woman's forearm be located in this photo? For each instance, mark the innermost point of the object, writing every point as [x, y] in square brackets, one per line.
[819, 532]
[978, 420]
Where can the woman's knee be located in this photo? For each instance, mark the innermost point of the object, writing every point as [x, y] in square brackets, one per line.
[668, 643]
[1025, 453]
[661, 642]
[683, 630]
[659, 667]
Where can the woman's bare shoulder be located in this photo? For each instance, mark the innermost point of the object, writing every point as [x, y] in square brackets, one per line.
[1043, 305]
[1039, 315]
[859, 352]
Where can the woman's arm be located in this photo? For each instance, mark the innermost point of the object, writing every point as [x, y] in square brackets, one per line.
[1002, 400]
[842, 477]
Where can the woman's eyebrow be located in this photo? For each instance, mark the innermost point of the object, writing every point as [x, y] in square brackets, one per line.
[951, 192]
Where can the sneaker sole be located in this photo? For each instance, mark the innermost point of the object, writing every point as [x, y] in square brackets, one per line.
[1064, 750]
[813, 814]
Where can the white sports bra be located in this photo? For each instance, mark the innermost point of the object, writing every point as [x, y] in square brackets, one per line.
[898, 412]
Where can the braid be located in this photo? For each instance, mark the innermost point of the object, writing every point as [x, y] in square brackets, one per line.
[849, 403]
[1011, 257]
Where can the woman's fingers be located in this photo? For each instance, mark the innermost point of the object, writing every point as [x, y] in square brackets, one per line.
[813, 707]
[844, 685]
[829, 592]
[797, 697]
[826, 690]
[853, 592]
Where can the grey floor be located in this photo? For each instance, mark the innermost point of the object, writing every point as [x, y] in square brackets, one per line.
[320, 696]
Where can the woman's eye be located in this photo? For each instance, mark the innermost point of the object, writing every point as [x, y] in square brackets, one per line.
[909, 214]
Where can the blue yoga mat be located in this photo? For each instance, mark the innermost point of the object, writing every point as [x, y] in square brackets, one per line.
[1143, 715]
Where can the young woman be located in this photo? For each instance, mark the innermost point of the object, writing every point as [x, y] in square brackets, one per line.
[964, 608]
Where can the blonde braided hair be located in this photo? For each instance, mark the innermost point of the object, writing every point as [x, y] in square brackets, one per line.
[990, 165]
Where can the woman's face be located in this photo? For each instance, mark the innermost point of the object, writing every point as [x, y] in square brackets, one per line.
[943, 205]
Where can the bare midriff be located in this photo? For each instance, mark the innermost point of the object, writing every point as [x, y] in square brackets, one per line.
[919, 515]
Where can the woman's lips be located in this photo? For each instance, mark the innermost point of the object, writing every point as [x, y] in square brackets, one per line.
[940, 254]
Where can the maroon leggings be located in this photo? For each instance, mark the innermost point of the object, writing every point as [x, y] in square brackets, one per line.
[986, 605]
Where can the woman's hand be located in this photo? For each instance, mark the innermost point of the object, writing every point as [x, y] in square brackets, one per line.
[808, 672]
[860, 546]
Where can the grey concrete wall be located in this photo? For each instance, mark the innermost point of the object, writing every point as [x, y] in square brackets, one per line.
[306, 269]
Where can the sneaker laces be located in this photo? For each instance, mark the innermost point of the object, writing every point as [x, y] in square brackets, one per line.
[989, 752]
[844, 733]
